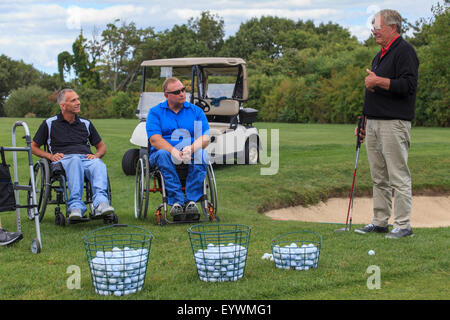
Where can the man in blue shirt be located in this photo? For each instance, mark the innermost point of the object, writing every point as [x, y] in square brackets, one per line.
[178, 131]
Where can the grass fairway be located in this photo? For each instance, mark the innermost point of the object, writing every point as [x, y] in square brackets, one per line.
[315, 163]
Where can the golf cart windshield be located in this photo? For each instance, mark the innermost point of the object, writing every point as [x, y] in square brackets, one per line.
[217, 90]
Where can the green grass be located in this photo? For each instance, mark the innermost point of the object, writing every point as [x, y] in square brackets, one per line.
[316, 162]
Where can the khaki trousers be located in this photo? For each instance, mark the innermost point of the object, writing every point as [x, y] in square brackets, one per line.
[387, 145]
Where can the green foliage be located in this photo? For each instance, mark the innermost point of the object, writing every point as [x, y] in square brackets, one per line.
[124, 105]
[94, 103]
[433, 97]
[32, 101]
[82, 63]
[13, 75]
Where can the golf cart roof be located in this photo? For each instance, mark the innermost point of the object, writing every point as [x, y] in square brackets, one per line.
[212, 66]
[189, 62]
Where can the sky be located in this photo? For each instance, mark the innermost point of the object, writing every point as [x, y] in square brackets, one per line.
[37, 31]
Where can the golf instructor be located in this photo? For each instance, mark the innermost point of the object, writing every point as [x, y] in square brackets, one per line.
[391, 87]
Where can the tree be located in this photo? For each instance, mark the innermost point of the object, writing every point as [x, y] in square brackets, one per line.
[258, 35]
[177, 42]
[122, 53]
[209, 32]
[14, 74]
[81, 62]
[433, 94]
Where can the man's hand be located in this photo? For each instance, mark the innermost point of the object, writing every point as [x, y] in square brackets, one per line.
[187, 153]
[56, 157]
[362, 134]
[91, 156]
[371, 80]
[177, 156]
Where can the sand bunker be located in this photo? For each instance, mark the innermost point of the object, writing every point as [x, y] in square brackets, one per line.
[427, 212]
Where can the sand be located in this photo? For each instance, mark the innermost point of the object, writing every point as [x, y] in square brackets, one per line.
[427, 211]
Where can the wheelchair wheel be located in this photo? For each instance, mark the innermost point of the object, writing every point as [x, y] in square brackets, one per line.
[111, 219]
[210, 209]
[141, 192]
[42, 184]
[60, 219]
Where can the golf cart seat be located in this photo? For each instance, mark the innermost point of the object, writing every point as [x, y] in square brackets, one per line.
[222, 107]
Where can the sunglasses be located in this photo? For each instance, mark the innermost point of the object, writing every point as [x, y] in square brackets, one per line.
[177, 92]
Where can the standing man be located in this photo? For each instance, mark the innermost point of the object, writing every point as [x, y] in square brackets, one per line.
[391, 87]
[68, 138]
[178, 131]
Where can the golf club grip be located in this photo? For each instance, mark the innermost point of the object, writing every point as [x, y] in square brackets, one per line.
[360, 126]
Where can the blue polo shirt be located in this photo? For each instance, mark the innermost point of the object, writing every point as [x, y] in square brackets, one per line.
[179, 129]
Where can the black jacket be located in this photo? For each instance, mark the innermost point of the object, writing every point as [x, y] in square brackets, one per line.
[400, 64]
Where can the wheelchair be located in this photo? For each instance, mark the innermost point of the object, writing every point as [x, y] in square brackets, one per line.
[51, 189]
[150, 180]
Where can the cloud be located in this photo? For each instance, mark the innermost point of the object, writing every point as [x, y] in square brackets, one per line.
[78, 16]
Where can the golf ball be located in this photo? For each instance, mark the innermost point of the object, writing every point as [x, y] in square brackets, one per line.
[371, 252]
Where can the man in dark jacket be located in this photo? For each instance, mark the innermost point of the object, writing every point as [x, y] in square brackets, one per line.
[391, 87]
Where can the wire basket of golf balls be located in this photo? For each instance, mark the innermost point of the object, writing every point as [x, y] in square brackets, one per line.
[298, 250]
[117, 257]
[220, 251]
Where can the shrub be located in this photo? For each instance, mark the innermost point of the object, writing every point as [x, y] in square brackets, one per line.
[30, 100]
[123, 105]
[93, 103]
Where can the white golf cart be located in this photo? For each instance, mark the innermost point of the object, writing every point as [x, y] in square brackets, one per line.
[217, 85]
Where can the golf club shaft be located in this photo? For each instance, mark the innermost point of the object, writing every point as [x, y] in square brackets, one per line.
[352, 192]
[350, 203]
[361, 124]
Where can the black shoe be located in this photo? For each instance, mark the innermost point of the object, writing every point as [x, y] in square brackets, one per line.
[9, 237]
[372, 228]
[177, 212]
[398, 233]
[191, 211]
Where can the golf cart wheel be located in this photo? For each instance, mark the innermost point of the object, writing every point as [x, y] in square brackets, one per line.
[129, 161]
[251, 152]
[35, 246]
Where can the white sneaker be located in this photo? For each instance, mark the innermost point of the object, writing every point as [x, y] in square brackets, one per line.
[75, 214]
[103, 209]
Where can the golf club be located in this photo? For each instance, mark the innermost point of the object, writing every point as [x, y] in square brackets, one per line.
[348, 224]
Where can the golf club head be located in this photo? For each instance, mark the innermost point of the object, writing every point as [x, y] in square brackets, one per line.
[344, 229]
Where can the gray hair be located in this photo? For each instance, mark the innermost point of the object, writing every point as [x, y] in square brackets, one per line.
[390, 17]
[62, 95]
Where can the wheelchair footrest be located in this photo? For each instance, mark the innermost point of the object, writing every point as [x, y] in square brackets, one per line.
[187, 217]
[82, 219]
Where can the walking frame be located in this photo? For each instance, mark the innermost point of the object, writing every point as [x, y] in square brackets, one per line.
[36, 243]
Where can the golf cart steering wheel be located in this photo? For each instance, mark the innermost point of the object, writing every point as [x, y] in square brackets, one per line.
[202, 104]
